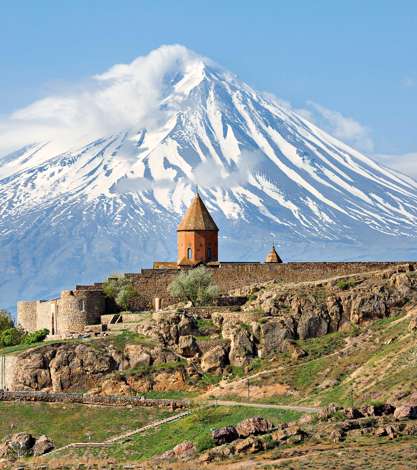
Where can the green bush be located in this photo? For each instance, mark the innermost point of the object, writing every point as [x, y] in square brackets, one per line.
[6, 321]
[204, 442]
[121, 290]
[11, 337]
[345, 284]
[35, 336]
[196, 286]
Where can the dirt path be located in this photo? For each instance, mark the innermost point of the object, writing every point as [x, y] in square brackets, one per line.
[301, 409]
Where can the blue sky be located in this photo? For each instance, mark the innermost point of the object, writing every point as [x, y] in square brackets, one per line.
[354, 57]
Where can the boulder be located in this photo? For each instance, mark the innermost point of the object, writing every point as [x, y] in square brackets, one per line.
[16, 446]
[405, 412]
[137, 356]
[42, 446]
[168, 327]
[241, 347]
[62, 367]
[254, 425]
[285, 433]
[353, 413]
[187, 346]
[312, 324]
[378, 410]
[183, 450]
[272, 335]
[214, 360]
[250, 445]
[115, 386]
[224, 435]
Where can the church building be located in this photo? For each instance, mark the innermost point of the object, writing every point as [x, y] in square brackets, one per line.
[198, 236]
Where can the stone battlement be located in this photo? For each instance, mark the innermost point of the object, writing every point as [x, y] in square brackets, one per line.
[75, 309]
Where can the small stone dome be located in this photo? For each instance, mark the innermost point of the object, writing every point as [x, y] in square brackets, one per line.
[272, 256]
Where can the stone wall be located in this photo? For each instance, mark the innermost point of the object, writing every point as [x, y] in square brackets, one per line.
[92, 399]
[68, 314]
[46, 315]
[26, 314]
[7, 368]
[151, 283]
[84, 306]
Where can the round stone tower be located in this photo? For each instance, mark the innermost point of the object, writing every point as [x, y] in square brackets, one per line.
[197, 235]
[79, 308]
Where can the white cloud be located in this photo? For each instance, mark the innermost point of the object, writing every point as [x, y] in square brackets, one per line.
[126, 95]
[406, 163]
[127, 185]
[342, 127]
[209, 174]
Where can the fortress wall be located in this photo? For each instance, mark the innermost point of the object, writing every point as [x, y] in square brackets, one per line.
[79, 308]
[151, 283]
[232, 276]
[26, 314]
[46, 315]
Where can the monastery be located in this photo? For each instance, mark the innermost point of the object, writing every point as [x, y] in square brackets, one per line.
[86, 308]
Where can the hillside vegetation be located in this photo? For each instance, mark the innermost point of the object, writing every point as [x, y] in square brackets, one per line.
[346, 345]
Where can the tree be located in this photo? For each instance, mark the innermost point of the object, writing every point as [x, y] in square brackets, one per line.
[196, 286]
[11, 337]
[121, 290]
[6, 321]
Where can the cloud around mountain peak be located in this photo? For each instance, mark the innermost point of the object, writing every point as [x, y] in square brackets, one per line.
[124, 96]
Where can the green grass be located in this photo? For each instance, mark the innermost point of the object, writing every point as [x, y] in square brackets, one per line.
[206, 327]
[323, 345]
[346, 284]
[196, 428]
[65, 423]
[171, 395]
[129, 337]
[25, 347]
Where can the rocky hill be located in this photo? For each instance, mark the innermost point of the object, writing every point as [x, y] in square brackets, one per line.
[347, 345]
[291, 328]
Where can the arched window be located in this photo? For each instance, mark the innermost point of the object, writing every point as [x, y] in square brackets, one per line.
[189, 253]
[209, 252]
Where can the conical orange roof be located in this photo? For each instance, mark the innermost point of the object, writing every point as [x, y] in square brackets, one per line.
[272, 256]
[197, 217]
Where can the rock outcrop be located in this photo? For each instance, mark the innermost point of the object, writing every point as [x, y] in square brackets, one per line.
[61, 367]
[24, 445]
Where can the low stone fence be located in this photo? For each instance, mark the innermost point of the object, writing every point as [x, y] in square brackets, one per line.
[85, 399]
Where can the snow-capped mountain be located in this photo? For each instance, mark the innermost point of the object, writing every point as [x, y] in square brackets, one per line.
[112, 203]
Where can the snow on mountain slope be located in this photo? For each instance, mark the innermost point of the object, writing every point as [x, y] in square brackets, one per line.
[112, 203]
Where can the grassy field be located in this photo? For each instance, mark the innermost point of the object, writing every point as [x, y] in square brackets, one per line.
[65, 423]
[197, 428]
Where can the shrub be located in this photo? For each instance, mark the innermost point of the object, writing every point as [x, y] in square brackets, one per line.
[11, 337]
[196, 286]
[121, 290]
[6, 321]
[35, 336]
[345, 284]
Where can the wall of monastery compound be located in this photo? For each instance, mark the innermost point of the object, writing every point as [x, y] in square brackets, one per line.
[69, 314]
[84, 306]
